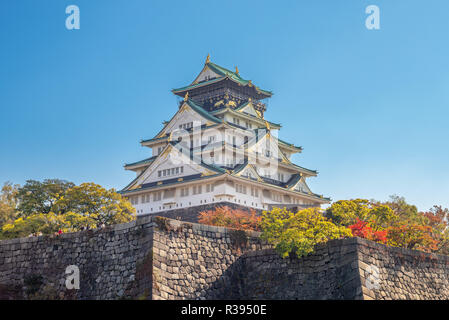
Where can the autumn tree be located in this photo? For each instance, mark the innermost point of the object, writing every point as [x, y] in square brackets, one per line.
[299, 232]
[412, 236]
[224, 216]
[438, 220]
[362, 229]
[394, 222]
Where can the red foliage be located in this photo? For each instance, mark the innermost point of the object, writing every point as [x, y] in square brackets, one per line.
[363, 230]
[231, 218]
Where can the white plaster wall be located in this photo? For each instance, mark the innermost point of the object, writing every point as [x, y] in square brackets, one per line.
[218, 195]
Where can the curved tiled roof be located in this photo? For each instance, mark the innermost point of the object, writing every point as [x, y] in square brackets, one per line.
[223, 74]
[144, 161]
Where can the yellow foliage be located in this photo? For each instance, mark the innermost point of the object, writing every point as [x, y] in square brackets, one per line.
[86, 206]
[299, 232]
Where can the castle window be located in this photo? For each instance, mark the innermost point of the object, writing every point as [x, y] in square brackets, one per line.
[281, 177]
[157, 196]
[276, 197]
[186, 126]
[171, 171]
[134, 200]
[209, 187]
[184, 192]
[197, 189]
[240, 188]
[254, 192]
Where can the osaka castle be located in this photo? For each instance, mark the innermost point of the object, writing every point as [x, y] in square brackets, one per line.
[218, 149]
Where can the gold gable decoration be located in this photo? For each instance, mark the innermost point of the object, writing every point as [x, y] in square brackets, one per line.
[207, 59]
[267, 125]
[186, 97]
[231, 104]
[219, 103]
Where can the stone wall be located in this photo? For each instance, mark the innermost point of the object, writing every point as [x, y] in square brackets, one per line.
[114, 262]
[160, 258]
[396, 273]
[193, 261]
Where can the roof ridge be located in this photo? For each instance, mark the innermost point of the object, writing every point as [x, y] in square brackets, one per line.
[202, 111]
[225, 69]
[140, 161]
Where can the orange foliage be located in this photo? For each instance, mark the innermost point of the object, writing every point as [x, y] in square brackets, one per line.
[412, 236]
[231, 218]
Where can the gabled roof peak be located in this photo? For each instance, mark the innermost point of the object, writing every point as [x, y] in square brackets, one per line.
[221, 74]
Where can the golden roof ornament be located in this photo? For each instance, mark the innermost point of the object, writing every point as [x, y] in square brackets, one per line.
[267, 125]
[208, 58]
[236, 70]
[219, 103]
[231, 103]
[186, 97]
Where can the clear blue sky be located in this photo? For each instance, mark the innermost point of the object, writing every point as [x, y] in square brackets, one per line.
[370, 108]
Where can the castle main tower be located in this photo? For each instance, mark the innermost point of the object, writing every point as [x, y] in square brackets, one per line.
[218, 149]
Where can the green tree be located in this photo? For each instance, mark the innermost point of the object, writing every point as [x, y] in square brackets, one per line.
[90, 199]
[404, 211]
[346, 213]
[299, 232]
[68, 208]
[39, 197]
[48, 223]
[8, 203]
